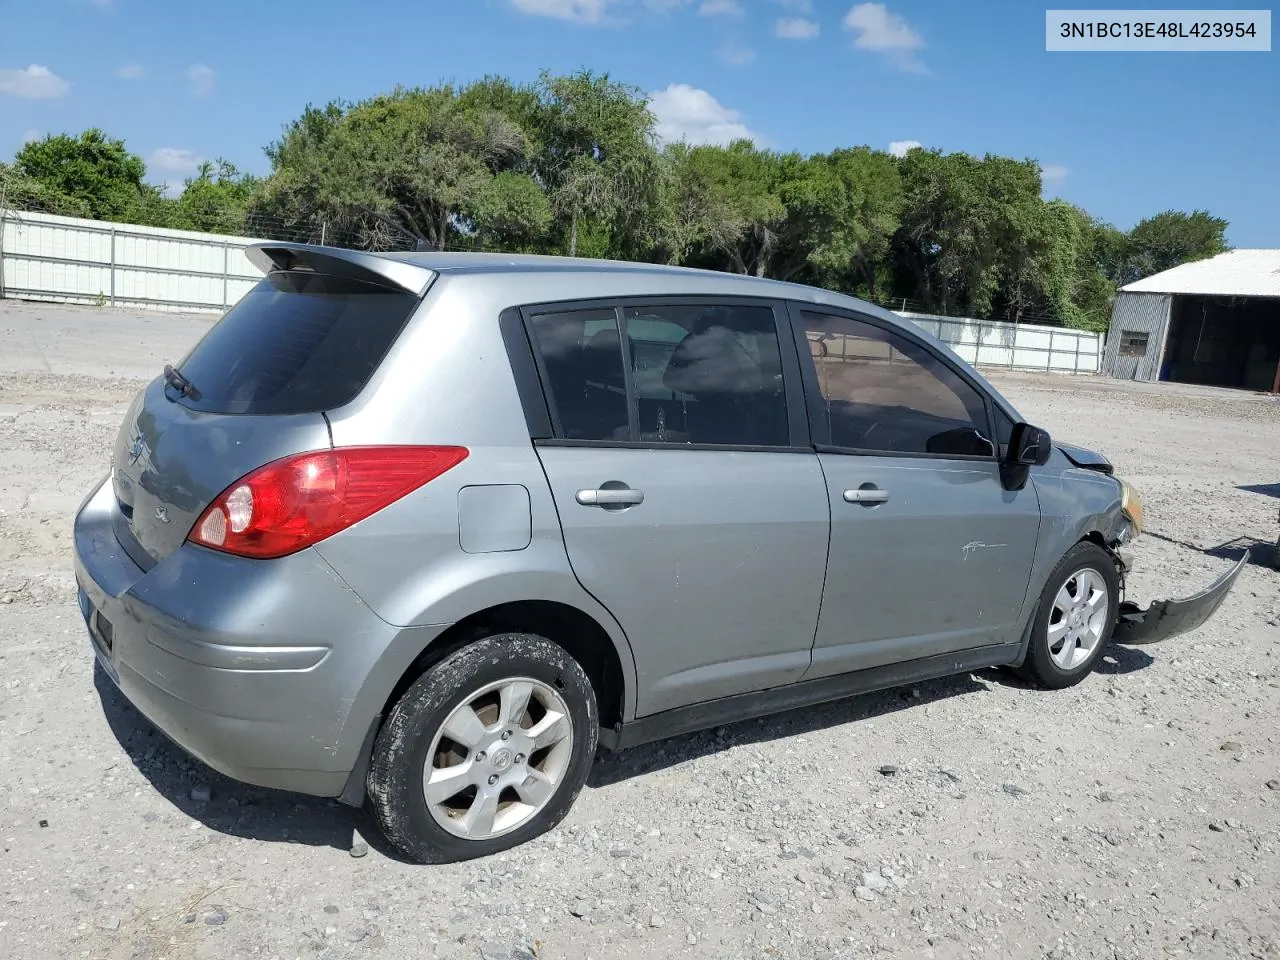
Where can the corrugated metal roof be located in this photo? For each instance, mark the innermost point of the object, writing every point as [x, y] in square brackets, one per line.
[1238, 273]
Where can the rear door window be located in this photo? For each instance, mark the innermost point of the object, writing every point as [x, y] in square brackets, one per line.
[582, 367]
[701, 373]
[297, 342]
[707, 374]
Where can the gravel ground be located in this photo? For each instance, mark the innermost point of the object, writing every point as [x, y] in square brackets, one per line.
[1129, 817]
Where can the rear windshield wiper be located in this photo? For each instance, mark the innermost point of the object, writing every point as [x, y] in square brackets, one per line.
[175, 379]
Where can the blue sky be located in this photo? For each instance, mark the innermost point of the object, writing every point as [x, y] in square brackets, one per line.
[1123, 134]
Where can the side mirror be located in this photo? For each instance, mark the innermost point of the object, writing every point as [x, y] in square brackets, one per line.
[1029, 446]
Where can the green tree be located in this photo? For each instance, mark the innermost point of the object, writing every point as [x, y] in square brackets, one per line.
[1093, 290]
[418, 158]
[92, 171]
[570, 164]
[965, 225]
[597, 159]
[1172, 238]
[849, 206]
[521, 104]
[684, 209]
[511, 213]
[217, 199]
[744, 213]
[20, 192]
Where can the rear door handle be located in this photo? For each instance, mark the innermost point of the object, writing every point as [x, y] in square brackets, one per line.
[866, 495]
[610, 498]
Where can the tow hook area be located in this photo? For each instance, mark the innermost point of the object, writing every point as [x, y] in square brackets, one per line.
[1169, 618]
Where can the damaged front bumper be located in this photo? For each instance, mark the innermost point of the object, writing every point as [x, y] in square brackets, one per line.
[1168, 618]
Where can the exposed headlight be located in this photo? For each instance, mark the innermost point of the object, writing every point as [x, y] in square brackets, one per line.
[1131, 506]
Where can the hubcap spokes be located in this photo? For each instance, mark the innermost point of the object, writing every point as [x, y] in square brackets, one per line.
[1078, 618]
[498, 758]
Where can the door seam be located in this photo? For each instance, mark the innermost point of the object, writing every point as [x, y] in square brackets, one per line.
[826, 568]
[551, 492]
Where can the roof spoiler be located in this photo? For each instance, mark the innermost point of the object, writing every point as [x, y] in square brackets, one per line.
[337, 262]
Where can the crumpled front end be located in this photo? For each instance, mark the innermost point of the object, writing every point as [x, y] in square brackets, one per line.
[1169, 618]
[1164, 618]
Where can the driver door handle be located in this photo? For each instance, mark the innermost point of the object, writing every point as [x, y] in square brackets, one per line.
[609, 498]
[866, 495]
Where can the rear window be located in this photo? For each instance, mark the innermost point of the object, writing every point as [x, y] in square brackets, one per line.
[296, 343]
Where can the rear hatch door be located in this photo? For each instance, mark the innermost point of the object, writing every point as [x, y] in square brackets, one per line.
[304, 340]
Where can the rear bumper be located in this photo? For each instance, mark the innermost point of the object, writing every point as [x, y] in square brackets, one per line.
[1168, 618]
[267, 671]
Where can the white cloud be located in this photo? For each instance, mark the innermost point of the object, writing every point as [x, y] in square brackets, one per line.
[603, 11]
[900, 148]
[880, 31]
[202, 79]
[175, 160]
[34, 83]
[796, 28]
[31, 136]
[578, 11]
[720, 8]
[687, 113]
[1053, 175]
[737, 55]
[131, 71]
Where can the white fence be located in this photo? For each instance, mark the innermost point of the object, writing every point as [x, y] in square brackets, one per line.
[68, 260]
[1020, 346]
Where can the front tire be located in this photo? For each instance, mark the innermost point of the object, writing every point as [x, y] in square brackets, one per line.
[488, 749]
[1075, 618]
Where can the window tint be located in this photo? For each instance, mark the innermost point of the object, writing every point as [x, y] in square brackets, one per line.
[707, 374]
[295, 343]
[585, 382]
[884, 392]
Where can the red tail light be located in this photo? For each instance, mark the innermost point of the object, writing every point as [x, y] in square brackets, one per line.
[292, 503]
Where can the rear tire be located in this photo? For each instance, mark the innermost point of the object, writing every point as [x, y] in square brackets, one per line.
[1075, 618]
[486, 750]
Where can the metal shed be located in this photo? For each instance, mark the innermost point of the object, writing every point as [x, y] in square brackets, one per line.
[1214, 322]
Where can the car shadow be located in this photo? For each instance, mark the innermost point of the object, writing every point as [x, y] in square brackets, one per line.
[1262, 553]
[611, 768]
[1117, 660]
[233, 808]
[1266, 489]
[274, 816]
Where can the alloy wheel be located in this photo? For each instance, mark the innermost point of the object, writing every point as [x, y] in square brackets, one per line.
[498, 758]
[1078, 618]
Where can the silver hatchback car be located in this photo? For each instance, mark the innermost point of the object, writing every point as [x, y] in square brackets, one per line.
[421, 530]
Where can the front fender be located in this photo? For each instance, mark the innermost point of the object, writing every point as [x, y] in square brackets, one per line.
[1075, 504]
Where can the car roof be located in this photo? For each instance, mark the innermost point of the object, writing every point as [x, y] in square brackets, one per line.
[527, 263]
[411, 270]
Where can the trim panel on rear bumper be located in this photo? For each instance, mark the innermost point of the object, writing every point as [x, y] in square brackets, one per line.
[1169, 618]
